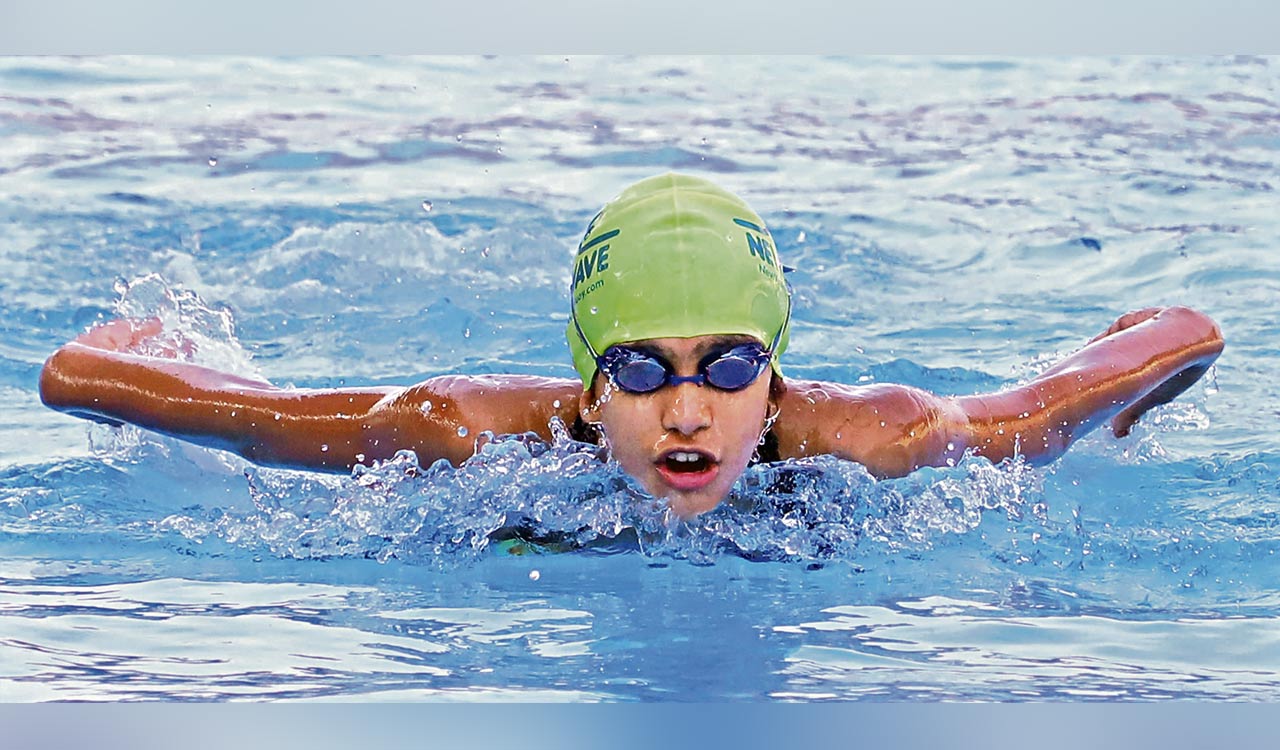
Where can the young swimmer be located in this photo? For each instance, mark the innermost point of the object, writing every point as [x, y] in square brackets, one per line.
[679, 318]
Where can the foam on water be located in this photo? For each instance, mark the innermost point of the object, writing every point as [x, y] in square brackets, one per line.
[558, 495]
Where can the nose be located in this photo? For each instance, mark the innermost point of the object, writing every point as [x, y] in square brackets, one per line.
[688, 409]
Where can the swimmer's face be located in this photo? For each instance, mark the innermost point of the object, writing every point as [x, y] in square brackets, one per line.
[688, 443]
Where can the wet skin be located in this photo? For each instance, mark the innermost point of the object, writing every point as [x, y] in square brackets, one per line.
[129, 371]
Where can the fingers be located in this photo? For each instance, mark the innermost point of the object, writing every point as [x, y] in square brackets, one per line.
[1128, 320]
[114, 335]
[1123, 423]
[134, 335]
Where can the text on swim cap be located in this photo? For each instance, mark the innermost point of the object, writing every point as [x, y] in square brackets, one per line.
[760, 246]
[591, 259]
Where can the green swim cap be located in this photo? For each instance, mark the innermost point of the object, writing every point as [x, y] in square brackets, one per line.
[675, 256]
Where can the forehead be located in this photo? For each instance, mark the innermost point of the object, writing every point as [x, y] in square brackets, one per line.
[696, 347]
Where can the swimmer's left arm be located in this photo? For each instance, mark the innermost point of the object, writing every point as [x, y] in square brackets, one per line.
[1144, 359]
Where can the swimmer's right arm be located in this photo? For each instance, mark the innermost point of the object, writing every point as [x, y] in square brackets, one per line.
[329, 429]
[1144, 359]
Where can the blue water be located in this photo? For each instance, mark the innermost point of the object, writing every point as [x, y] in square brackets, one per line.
[956, 225]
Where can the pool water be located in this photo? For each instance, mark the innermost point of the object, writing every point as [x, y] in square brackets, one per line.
[956, 224]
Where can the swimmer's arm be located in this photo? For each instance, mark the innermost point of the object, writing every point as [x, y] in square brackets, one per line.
[328, 429]
[1144, 359]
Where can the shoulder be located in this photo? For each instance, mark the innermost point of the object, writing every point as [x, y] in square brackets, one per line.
[811, 402]
[891, 429]
[453, 409]
[442, 417]
[493, 402]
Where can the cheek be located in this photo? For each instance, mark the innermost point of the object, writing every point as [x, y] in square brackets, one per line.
[630, 428]
[741, 421]
[746, 428]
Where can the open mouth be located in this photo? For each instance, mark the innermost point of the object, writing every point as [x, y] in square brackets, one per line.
[687, 470]
[686, 462]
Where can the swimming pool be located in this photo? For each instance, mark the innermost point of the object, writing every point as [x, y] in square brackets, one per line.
[955, 225]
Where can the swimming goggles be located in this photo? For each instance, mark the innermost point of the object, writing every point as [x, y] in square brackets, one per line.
[638, 371]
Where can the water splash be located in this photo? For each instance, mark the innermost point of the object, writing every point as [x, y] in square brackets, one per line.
[557, 492]
[194, 331]
[522, 494]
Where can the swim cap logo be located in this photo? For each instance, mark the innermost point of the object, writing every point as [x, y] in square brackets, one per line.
[593, 257]
[760, 245]
[591, 227]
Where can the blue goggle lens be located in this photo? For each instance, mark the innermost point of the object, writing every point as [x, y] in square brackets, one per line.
[635, 371]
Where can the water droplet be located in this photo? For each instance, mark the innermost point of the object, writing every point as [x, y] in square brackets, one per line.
[360, 457]
[458, 137]
[882, 423]
[462, 432]
[555, 404]
[951, 446]
[534, 574]
[426, 407]
[466, 333]
[485, 252]
[594, 309]
[213, 161]
[426, 205]
[324, 447]
[278, 415]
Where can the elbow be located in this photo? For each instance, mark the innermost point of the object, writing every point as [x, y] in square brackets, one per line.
[52, 384]
[58, 392]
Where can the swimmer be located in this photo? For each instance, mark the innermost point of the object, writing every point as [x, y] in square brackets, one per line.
[679, 318]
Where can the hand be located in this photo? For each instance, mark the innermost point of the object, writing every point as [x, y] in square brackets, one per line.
[1179, 382]
[1167, 391]
[1129, 320]
[131, 336]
